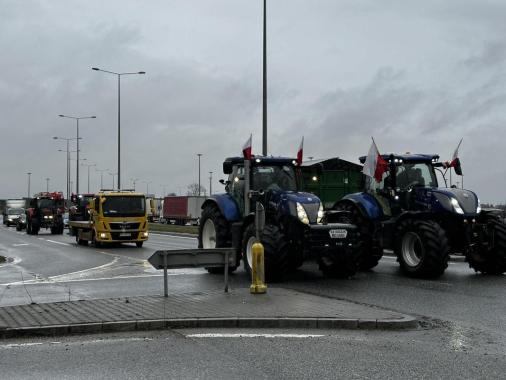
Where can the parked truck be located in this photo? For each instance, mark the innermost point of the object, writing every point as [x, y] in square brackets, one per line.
[182, 209]
[114, 217]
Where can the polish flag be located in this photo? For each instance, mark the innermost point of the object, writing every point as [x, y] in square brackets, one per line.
[374, 165]
[455, 162]
[246, 149]
[299, 152]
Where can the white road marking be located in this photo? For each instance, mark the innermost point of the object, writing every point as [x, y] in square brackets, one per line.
[395, 259]
[58, 242]
[119, 340]
[85, 271]
[243, 335]
[174, 236]
[20, 245]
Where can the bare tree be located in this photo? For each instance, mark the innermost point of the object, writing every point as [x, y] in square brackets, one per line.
[193, 189]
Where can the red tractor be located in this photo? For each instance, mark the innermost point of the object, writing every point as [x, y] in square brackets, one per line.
[46, 211]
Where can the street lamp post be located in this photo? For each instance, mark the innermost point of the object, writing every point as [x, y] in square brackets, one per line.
[47, 185]
[89, 166]
[29, 174]
[119, 114]
[113, 174]
[210, 183]
[264, 108]
[101, 176]
[76, 118]
[147, 186]
[68, 160]
[200, 155]
[134, 181]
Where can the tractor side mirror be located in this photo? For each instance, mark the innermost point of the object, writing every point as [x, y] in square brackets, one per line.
[227, 167]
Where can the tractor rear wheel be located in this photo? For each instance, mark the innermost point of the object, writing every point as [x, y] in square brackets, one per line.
[35, 227]
[371, 253]
[422, 248]
[214, 232]
[490, 258]
[276, 251]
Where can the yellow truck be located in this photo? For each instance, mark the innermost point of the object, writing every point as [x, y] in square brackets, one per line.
[114, 217]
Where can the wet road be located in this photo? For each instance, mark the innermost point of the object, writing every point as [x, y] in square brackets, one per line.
[463, 334]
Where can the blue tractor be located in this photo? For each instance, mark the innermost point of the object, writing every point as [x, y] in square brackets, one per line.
[295, 224]
[423, 223]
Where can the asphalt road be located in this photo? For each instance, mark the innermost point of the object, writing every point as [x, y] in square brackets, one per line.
[464, 314]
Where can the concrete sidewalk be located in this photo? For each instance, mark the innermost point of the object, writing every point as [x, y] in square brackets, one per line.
[278, 308]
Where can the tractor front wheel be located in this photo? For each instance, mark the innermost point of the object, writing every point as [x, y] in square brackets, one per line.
[371, 253]
[422, 248]
[214, 233]
[490, 257]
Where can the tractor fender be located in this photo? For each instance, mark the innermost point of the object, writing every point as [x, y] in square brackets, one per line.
[365, 203]
[227, 206]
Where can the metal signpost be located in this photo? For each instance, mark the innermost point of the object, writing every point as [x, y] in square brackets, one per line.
[193, 258]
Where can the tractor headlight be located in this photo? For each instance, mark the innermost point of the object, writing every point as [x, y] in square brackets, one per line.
[320, 214]
[478, 209]
[45, 216]
[50, 216]
[456, 206]
[301, 214]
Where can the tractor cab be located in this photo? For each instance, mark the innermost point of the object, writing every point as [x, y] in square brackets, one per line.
[268, 177]
[408, 178]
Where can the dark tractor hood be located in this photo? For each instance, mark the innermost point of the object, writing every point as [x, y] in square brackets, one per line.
[467, 199]
[286, 203]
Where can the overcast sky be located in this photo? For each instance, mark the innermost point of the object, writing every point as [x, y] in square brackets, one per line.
[416, 75]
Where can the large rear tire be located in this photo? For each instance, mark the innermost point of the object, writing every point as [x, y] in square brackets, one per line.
[490, 258]
[371, 253]
[276, 251]
[214, 232]
[422, 248]
[35, 226]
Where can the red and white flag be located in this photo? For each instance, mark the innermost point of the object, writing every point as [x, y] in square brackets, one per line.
[300, 151]
[246, 149]
[455, 162]
[374, 165]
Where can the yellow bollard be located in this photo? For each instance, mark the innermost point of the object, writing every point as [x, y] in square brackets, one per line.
[257, 270]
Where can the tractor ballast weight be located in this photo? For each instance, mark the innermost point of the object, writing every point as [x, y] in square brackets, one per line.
[46, 211]
[295, 225]
[423, 223]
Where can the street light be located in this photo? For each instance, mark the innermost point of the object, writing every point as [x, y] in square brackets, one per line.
[147, 186]
[200, 155]
[29, 174]
[210, 183]
[101, 176]
[47, 185]
[89, 166]
[119, 114]
[264, 108]
[68, 159]
[113, 174]
[134, 181]
[77, 118]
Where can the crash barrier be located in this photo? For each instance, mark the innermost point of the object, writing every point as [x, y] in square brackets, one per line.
[193, 258]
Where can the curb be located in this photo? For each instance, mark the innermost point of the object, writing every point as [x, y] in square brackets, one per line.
[184, 234]
[406, 322]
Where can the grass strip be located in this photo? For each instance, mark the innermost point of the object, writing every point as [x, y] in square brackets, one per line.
[158, 227]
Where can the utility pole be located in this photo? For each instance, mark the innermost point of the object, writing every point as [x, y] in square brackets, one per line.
[29, 174]
[264, 108]
[210, 183]
[200, 155]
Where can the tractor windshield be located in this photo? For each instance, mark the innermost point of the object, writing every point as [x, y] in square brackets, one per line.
[278, 178]
[407, 175]
[124, 206]
[46, 203]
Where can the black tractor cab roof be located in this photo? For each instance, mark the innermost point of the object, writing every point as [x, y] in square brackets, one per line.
[407, 157]
[265, 160]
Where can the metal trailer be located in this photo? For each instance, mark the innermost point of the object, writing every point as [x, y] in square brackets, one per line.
[183, 209]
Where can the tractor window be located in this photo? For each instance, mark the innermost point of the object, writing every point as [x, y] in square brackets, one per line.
[46, 203]
[419, 174]
[281, 178]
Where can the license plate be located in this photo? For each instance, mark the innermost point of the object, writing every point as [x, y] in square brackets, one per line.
[338, 234]
[124, 234]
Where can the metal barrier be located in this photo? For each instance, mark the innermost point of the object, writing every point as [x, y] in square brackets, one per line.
[193, 258]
